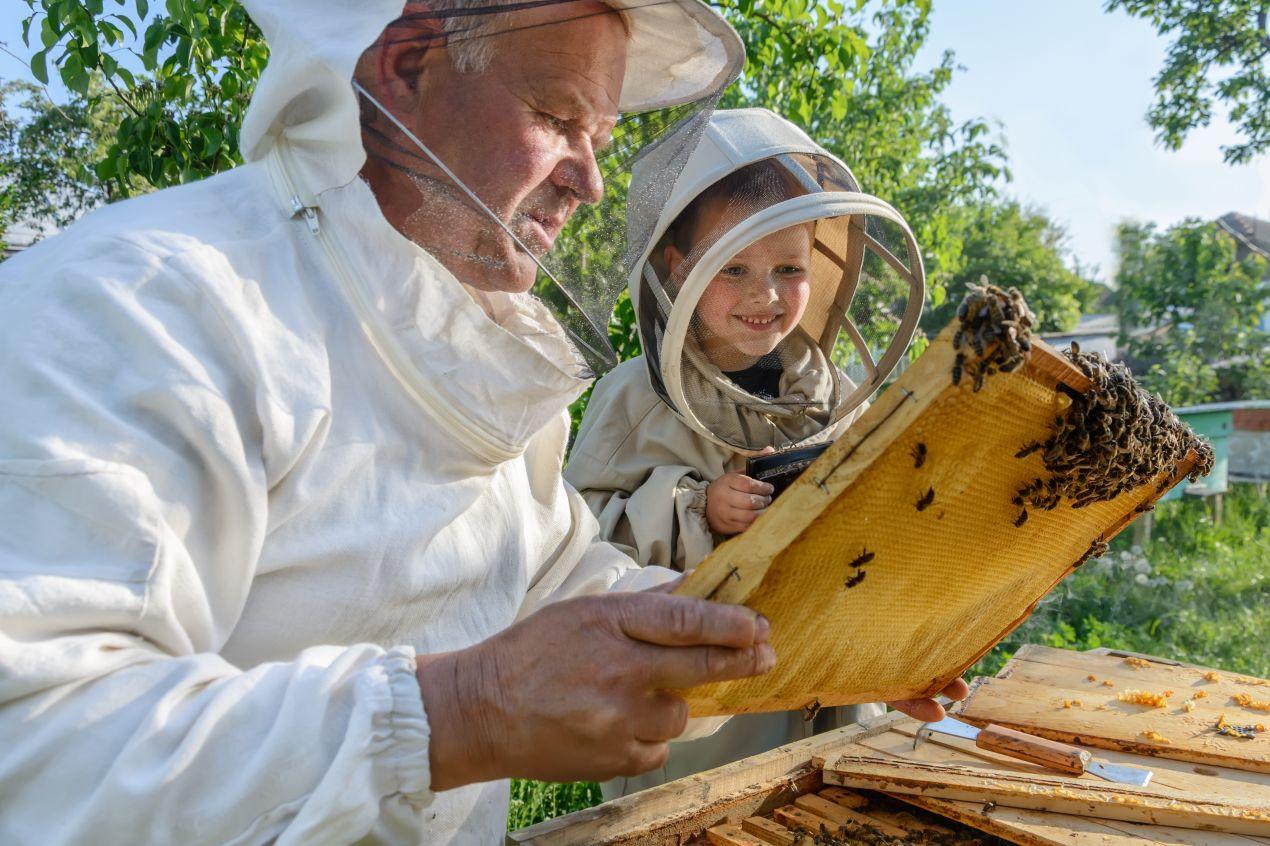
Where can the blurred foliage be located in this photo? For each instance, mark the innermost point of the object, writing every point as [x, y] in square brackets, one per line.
[46, 151]
[535, 801]
[1190, 312]
[1219, 54]
[1012, 245]
[1199, 593]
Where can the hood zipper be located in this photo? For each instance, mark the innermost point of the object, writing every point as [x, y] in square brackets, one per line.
[476, 439]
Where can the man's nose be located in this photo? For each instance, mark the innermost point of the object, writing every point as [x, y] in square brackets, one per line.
[579, 173]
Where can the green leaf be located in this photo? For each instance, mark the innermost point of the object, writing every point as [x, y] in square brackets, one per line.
[143, 9]
[127, 21]
[48, 37]
[39, 67]
[105, 169]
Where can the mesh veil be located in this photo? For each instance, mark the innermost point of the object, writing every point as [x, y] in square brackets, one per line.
[680, 57]
[777, 298]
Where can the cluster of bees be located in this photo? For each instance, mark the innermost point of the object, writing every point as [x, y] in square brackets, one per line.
[1114, 438]
[997, 326]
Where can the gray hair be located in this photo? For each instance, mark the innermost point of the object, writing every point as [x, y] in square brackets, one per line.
[470, 37]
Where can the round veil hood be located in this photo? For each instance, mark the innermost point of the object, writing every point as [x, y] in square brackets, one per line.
[772, 296]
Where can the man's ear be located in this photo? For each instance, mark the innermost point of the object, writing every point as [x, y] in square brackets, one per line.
[394, 65]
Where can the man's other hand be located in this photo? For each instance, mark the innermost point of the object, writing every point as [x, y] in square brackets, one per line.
[928, 710]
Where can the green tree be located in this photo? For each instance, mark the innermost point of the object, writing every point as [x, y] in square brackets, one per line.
[184, 82]
[1218, 55]
[1015, 246]
[1190, 311]
[47, 153]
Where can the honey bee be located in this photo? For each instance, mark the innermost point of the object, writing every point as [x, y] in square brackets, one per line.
[924, 501]
[1028, 449]
[855, 580]
[919, 454]
[863, 558]
[958, 365]
[981, 372]
[1021, 519]
[810, 710]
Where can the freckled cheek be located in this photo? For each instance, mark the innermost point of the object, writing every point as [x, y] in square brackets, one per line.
[794, 298]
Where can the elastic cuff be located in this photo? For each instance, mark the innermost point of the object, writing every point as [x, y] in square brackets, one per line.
[405, 756]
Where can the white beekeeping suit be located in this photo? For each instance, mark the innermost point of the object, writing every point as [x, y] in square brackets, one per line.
[257, 450]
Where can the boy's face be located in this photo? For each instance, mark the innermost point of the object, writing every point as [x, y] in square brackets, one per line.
[756, 299]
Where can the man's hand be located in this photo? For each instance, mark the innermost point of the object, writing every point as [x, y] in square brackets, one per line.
[928, 710]
[581, 690]
[734, 501]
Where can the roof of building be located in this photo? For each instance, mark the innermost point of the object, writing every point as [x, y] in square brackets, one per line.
[1252, 232]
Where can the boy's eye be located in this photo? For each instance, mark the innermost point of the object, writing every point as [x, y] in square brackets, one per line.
[789, 270]
[733, 271]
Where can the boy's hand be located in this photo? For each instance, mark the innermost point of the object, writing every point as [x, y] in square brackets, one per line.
[734, 501]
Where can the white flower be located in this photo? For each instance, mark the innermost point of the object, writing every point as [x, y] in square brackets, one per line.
[1141, 579]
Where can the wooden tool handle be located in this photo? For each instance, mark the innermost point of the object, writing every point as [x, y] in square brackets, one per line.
[1038, 750]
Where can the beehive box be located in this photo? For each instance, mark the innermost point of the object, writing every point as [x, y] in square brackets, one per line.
[947, 792]
[899, 557]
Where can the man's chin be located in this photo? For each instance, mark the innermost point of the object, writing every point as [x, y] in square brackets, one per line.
[512, 274]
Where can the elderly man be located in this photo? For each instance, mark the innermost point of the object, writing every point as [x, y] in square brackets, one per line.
[280, 496]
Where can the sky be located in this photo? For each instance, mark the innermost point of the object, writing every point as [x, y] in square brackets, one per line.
[1070, 85]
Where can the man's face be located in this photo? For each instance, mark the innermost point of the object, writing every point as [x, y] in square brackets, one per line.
[521, 134]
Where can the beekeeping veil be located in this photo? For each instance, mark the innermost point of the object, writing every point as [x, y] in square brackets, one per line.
[680, 56]
[761, 220]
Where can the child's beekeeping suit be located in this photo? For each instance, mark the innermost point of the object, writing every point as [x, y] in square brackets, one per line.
[660, 427]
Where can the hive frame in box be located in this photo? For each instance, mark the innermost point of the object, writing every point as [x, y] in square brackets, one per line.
[908, 630]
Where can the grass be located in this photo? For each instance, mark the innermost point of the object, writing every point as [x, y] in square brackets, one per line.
[1199, 593]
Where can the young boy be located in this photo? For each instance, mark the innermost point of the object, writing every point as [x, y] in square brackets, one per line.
[662, 449]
